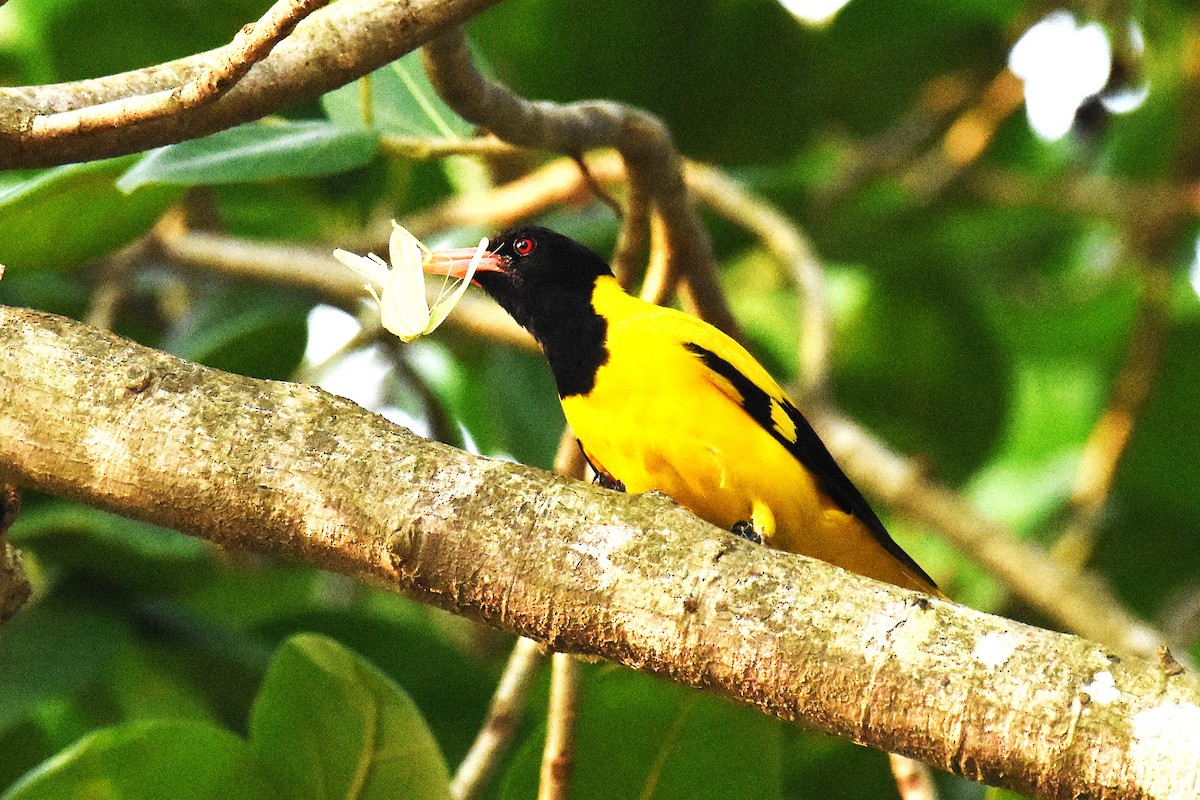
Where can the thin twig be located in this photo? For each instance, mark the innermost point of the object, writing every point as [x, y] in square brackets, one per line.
[894, 148]
[967, 138]
[420, 148]
[251, 44]
[914, 780]
[500, 724]
[1107, 443]
[558, 756]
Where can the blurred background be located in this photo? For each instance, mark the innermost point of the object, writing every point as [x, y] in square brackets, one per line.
[1001, 195]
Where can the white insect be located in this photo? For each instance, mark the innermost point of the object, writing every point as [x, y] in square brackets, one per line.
[402, 304]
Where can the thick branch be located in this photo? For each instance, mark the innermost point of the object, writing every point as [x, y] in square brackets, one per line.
[289, 470]
[333, 46]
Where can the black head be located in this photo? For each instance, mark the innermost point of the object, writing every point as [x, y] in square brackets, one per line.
[543, 277]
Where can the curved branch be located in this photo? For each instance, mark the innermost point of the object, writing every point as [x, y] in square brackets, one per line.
[333, 46]
[644, 142]
[287, 469]
[251, 44]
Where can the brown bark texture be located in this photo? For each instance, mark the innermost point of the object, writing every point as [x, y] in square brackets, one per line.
[332, 47]
[289, 470]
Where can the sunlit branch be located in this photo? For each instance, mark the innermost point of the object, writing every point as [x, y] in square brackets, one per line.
[331, 47]
[500, 725]
[1076, 600]
[634, 579]
[251, 44]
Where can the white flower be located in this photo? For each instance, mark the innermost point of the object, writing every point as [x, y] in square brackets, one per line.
[402, 303]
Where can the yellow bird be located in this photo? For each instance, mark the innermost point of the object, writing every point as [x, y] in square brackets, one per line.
[659, 399]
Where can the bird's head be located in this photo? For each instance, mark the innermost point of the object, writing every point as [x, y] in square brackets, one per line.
[534, 273]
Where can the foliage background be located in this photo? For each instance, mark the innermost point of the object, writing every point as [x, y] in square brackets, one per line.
[979, 330]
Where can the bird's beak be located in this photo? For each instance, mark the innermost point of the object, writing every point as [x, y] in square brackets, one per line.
[454, 262]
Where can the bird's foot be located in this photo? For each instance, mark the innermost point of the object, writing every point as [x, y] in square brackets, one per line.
[606, 481]
[745, 529]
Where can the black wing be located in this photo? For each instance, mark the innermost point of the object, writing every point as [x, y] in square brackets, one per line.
[807, 448]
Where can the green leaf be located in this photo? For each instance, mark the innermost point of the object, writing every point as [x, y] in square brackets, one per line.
[451, 688]
[397, 99]
[150, 759]
[330, 725]
[255, 152]
[52, 649]
[63, 217]
[141, 687]
[63, 533]
[637, 737]
[253, 330]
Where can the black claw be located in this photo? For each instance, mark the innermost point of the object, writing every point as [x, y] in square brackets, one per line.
[604, 480]
[745, 529]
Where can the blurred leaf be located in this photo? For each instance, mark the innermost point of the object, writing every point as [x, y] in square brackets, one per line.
[127, 34]
[256, 151]
[22, 747]
[142, 688]
[811, 760]
[257, 593]
[65, 216]
[56, 292]
[137, 553]
[150, 759]
[252, 330]
[331, 726]
[642, 738]
[53, 649]
[1151, 547]
[506, 399]
[913, 361]
[401, 101]
[451, 689]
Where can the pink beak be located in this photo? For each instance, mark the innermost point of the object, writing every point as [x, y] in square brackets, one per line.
[454, 262]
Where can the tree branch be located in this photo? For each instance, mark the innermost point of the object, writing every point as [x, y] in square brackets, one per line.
[333, 46]
[287, 469]
[500, 725]
[251, 44]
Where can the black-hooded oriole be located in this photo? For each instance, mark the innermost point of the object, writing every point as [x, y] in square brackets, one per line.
[659, 399]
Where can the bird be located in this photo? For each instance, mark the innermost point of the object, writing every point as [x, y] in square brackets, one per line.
[660, 400]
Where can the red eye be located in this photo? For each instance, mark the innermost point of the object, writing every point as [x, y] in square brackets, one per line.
[524, 246]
